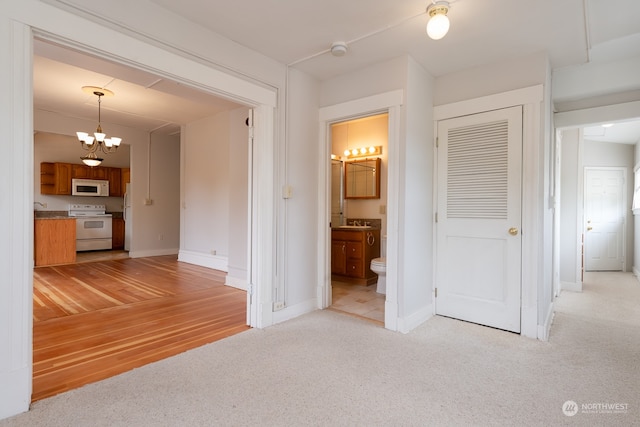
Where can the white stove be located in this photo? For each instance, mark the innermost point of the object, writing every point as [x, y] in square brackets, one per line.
[93, 227]
[88, 210]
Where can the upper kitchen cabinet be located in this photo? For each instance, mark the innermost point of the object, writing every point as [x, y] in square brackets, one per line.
[114, 175]
[87, 172]
[55, 178]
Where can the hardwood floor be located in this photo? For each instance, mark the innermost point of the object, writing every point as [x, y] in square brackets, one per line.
[98, 319]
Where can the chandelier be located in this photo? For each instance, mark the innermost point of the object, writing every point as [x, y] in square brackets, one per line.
[99, 140]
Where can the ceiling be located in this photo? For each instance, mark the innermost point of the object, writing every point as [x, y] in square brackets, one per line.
[299, 33]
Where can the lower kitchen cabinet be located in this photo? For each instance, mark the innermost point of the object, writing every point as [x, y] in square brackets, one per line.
[54, 241]
[117, 230]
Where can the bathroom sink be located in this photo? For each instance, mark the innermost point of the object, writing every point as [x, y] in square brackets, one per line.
[354, 227]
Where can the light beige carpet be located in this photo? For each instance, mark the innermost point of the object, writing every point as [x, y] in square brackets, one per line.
[329, 369]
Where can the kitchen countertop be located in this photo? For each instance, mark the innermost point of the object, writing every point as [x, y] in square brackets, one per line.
[51, 215]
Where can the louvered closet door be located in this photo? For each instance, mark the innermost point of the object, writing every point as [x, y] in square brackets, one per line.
[478, 263]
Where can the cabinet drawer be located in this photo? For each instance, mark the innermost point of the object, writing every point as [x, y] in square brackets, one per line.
[354, 250]
[354, 267]
[355, 236]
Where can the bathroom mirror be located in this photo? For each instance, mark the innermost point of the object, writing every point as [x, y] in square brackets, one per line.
[362, 179]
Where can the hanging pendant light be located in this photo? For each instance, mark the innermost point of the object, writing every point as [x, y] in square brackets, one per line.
[438, 24]
[99, 140]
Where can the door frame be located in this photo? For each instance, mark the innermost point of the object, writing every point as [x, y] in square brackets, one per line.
[624, 190]
[499, 312]
[388, 102]
[533, 152]
[68, 30]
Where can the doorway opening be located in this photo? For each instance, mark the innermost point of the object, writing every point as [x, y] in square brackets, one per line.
[605, 207]
[359, 166]
[238, 200]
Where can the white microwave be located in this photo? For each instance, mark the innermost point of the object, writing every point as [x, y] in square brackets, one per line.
[90, 187]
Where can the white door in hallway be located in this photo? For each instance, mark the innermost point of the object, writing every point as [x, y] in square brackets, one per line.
[478, 259]
[604, 219]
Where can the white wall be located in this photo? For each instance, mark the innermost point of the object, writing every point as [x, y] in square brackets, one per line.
[297, 217]
[416, 219]
[570, 213]
[491, 79]
[155, 175]
[636, 220]
[238, 200]
[215, 189]
[206, 187]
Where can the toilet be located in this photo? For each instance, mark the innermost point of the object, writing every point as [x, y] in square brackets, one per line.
[379, 266]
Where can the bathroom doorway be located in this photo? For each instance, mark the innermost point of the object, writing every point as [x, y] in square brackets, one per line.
[358, 215]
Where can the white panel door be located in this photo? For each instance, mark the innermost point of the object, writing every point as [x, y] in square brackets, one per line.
[478, 260]
[605, 218]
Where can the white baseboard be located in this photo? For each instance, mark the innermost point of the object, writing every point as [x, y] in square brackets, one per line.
[236, 282]
[154, 252]
[215, 262]
[544, 329]
[296, 310]
[573, 287]
[407, 324]
[636, 272]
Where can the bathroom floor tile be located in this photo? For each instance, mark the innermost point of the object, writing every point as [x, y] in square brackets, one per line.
[362, 301]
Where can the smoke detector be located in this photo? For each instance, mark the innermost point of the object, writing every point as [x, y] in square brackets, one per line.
[338, 48]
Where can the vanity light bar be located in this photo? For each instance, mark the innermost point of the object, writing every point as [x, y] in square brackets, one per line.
[363, 152]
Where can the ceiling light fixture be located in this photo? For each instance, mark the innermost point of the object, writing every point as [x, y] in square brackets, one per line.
[99, 139]
[374, 150]
[438, 24]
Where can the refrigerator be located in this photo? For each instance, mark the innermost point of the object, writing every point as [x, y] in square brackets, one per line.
[127, 216]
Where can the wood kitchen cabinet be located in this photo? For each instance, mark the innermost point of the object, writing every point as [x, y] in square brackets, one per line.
[88, 172]
[351, 255]
[80, 171]
[54, 241]
[117, 230]
[55, 178]
[114, 175]
[125, 174]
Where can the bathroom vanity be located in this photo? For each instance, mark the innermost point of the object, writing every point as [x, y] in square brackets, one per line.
[352, 249]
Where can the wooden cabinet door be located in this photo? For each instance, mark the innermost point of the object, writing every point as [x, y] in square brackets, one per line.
[338, 257]
[115, 182]
[63, 178]
[126, 177]
[117, 233]
[54, 241]
[55, 178]
[80, 171]
[99, 172]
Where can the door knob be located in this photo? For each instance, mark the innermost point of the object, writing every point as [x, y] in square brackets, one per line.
[513, 231]
[589, 228]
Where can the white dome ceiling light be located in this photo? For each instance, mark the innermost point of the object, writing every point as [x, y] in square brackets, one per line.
[438, 24]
